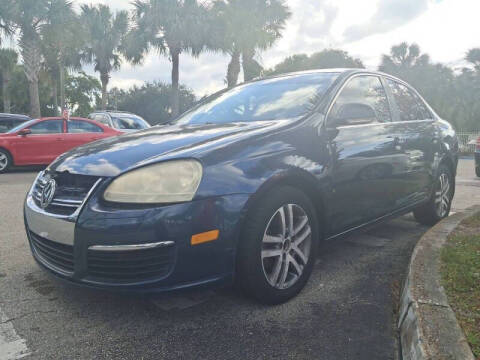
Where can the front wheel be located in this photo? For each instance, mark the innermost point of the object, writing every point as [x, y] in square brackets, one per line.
[278, 246]
[5, 161]
[441, 201]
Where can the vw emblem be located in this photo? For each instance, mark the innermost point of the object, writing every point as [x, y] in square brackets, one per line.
[47, 193]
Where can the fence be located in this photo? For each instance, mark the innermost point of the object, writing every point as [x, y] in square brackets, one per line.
[467, 140]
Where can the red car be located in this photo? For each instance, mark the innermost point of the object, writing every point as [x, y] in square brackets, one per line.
[40, 141]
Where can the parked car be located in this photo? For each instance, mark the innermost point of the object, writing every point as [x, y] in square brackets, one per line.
[120, 120]
[40, 141]
[9, 121]
[244, 186]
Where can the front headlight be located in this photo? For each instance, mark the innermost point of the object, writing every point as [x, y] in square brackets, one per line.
[171, 181]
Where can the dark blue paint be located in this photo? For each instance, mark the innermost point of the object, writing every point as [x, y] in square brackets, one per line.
[354, 175]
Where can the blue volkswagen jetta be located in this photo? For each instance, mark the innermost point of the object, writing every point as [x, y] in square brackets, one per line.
[243, 186]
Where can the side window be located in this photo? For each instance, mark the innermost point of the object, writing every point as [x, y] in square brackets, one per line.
[48, 127]
[102, 119]
[410, 106]
[363, 100]
[78, 126]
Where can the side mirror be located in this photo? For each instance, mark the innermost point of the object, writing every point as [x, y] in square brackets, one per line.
[354, 114]
[24, 132]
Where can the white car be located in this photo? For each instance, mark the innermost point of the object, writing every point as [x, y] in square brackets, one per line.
[119, 120]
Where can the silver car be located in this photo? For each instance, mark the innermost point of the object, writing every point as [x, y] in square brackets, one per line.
[119, 120]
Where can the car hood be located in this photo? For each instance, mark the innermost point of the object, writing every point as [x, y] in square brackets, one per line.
[116, 155]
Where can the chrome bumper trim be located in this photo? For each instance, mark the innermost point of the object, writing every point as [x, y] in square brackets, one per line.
[54, 227]
[130, 247]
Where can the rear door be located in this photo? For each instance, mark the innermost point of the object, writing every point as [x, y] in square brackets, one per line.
[364, 159]
[43, 145]
[416, 138]
[80, 132]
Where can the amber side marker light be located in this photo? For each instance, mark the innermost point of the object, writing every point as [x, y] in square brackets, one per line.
[204, 237]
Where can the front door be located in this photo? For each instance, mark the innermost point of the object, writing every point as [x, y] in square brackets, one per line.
[364, 157]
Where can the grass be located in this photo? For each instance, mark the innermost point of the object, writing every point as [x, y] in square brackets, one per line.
[461, 278]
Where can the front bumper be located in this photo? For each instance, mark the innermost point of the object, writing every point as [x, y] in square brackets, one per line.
[137, 249]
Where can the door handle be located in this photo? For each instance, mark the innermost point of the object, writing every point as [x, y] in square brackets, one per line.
[59, 139]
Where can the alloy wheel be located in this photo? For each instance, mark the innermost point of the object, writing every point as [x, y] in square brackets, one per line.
[442, 195]
[286, 246]
[3, 161]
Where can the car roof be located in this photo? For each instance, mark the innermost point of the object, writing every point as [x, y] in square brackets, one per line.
[343, 71]
[112, 112]
[14, 116]
[61, 118]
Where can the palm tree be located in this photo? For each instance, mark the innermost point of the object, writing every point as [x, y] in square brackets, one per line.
[5, 18]
[245, 27]
[473, 57]
[403, 57]
[27, 18]
[171, 27]
[8, 61]
[61, 42]
[104, 34]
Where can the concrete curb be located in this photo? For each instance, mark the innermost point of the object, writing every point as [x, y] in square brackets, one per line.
[427, 324]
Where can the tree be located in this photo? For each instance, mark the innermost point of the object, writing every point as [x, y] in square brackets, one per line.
[473, 57]
[329, 58]
[27, 17]
[151, 101]
[434, 81]
[81, 93]
[61, 42]
[6, 28]
[170, 27]
[18, 89]
[242, 28]
[8, 61]
[104, 34]
[403, 58]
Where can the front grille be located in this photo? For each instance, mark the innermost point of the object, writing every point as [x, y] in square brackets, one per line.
[70, 193]
[130, 266]
[56, 254]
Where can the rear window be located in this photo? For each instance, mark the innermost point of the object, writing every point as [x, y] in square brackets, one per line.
[128, 122]
[6, 124]
[409, 105]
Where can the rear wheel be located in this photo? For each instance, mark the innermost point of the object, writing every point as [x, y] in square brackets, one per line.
[5, 161]
[441, 201]
[278, 247]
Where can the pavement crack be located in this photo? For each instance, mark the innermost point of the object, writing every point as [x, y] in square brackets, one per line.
[26, 314]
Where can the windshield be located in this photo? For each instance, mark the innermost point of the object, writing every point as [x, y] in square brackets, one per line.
[128, 122]
[21, 126]
[271, 99]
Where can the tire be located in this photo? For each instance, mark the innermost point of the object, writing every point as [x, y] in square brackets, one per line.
[261, 258]
[438, 207]
[5, 161]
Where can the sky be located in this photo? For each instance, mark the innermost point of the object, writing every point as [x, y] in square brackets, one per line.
[445, 29]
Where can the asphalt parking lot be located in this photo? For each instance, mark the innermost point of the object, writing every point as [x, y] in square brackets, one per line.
[346, 311]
